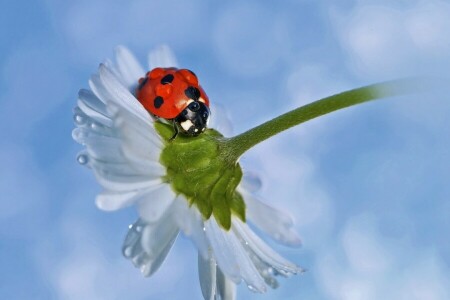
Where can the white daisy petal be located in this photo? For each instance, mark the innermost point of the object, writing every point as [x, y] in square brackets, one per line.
[190, 222]
[147, 245]
[93, 107]
[112, 200]
[214, 284]
[207, 275]
[140, 142]
[226, 289]
[275, 223]
[250, 182]
[162, 57]
[111, 67]
[222, 247]
[99, 90]
[155, 203]
[123, 183]
[219, 120]
[101, 147]
[121, 95]
[231, 257]
[121, 168]
[247, 269]
[263, 251]
[130, 69]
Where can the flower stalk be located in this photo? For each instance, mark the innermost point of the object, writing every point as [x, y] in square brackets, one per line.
[238, 145]
[205, 168]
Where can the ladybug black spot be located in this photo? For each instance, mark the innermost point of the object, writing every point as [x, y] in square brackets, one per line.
[192, 93]
[158, 102]
[143, 82]
[167, 79]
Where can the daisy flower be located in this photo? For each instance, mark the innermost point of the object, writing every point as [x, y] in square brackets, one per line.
[136, 164]
[193, 185]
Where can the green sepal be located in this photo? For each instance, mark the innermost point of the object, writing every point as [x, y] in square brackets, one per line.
[199, 170]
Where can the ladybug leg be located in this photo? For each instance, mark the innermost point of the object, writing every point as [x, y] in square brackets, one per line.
[175, 128]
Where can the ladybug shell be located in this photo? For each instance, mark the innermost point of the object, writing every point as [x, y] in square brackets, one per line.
[166, 92]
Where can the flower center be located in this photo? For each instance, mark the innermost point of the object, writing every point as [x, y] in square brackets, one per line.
[198, 168]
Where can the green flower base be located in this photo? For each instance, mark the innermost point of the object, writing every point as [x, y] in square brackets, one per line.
[197, 169]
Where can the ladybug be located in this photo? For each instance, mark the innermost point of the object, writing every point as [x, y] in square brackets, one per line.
[175, 95]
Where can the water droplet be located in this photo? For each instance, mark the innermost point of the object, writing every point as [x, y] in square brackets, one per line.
[79, 119]
[138, 228]
[204, 228]
[252, 288]
[82, 159]
[272, 282]
[127, 251]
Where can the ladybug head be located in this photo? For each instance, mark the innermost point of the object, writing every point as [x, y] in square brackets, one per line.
[194, 118]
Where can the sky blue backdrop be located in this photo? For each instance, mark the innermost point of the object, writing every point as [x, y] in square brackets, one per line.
[368, 186]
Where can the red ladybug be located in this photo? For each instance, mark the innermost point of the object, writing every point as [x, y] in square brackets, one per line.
[175, 95]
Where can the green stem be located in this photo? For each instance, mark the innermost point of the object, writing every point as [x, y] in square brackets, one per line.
[236, 146]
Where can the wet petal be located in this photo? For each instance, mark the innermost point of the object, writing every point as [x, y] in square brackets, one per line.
[147, 245]
[262, 250]
[222, 247]
[226, 289]
[275, 223]
[231, 257]
[207, 275]
[215, 285]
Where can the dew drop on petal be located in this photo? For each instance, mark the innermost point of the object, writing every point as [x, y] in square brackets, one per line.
[252, 288]
[82, 159]
[127, 251]
[79, 119]
[138, 228]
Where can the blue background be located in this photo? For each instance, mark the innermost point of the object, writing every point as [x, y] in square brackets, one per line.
[368, 186]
